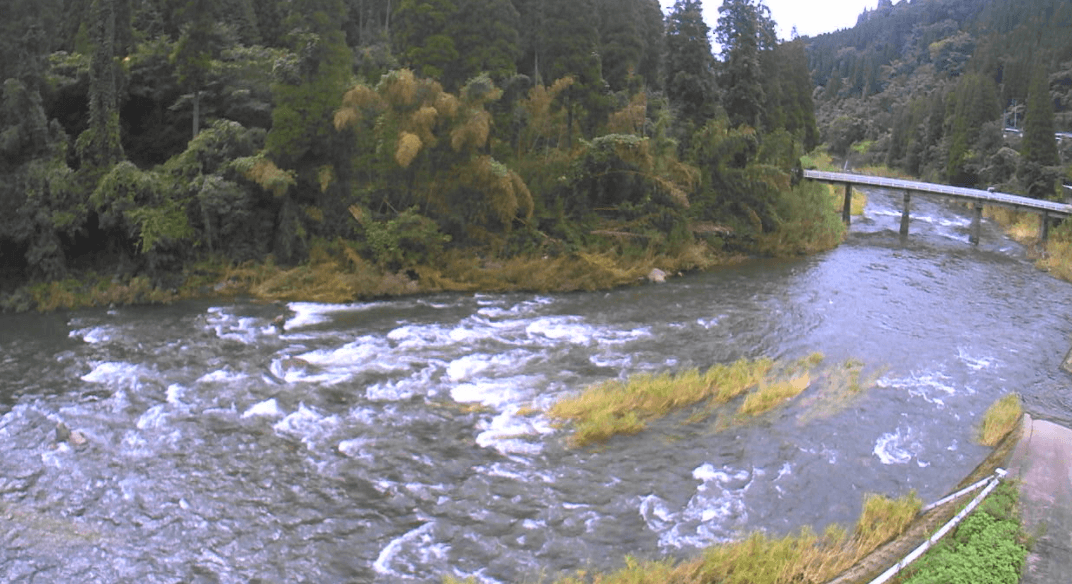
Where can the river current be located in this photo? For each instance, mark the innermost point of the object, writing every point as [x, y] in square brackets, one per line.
[399, 441]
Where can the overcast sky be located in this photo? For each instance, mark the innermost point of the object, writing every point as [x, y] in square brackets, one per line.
[811, 17]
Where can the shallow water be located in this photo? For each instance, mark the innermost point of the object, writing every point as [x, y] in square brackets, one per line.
[389, 441]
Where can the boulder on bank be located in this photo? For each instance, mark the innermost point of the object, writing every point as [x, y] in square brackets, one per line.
[656, 276]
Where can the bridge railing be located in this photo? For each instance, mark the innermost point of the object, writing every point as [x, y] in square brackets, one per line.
[1046, 209]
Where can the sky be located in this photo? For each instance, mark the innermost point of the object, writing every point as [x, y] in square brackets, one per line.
[811, 17]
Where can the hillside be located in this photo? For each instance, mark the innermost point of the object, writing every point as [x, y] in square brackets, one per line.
[969, 92]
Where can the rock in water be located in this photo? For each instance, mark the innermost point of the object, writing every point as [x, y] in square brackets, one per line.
[656, 276]
[63, 433]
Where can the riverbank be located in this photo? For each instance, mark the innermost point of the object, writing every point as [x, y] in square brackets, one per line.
[334, 274]
[337, 272]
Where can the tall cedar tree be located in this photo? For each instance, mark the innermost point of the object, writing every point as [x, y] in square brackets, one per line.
[486, 35]
[744, 30]
[1040, 146]
[194, 53]
[422, 36]
[308, 90]
[622, 46]
[99, 146]
[976, 104]
[690, 66]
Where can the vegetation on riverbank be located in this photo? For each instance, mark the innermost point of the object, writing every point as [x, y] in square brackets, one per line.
[989, 546]
[1002, 417]
[335, 157]
[802, 557]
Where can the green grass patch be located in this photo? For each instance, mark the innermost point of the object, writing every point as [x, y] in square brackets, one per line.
[989, 547]
[1000, 419]
[819, 159]
[863, 147]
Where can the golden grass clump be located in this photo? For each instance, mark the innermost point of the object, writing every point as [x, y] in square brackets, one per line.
[803, 557]
[623, 407]
[1021, 226]
[770, 395]
[1000, 419]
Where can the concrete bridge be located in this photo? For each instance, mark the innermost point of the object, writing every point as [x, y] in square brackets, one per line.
[1047, 210]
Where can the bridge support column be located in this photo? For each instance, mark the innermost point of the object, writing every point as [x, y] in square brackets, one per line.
[977, 219]
[1044, 226]
[904, 213]
[846, 211]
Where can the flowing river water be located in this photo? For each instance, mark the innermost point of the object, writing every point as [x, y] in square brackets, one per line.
[395, 441]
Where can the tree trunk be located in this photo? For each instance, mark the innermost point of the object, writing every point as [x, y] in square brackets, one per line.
[197, 113]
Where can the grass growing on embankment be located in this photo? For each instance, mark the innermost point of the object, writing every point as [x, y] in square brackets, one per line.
[989, 547]
[1001, 418]
[802, 557]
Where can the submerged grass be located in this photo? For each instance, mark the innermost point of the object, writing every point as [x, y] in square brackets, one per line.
[803, 557]
[1000, 419]
[839, 386]
[770, 395]
[624, 407]
[618, 407]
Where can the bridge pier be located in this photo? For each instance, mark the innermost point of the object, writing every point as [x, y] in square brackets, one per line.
[1044, 226]
[846, 211]
[904, 213]
[977, 219]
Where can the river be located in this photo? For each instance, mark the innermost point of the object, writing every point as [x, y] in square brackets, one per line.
[395, 441]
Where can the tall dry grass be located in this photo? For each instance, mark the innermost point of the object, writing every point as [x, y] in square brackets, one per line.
[801, 558]
[1000, 419]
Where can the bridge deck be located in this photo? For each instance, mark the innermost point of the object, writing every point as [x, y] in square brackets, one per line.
[986, 197]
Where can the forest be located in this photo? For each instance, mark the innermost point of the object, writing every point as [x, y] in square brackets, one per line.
[964, 92]
[369, 147]
[339, 149]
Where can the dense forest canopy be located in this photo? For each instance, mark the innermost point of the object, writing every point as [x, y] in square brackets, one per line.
[969, 92]
[139, 136]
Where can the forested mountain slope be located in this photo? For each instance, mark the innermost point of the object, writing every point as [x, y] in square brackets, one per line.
[140, 137]
[969, 92]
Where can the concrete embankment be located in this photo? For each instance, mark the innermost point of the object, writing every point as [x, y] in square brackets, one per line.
[1042, 461]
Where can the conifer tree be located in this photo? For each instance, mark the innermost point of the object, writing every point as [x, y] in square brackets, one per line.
[194, 53]
[1039, 146]
[422, 36]
[621, 46]
[744, 30]
[690, 66]
[1039, 150]
[99, 146]
[485, 33]
[309, 89]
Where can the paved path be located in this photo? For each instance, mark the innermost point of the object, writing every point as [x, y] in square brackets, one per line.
[1043, 461]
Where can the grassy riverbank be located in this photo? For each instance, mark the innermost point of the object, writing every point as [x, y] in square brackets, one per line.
[340, 271]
